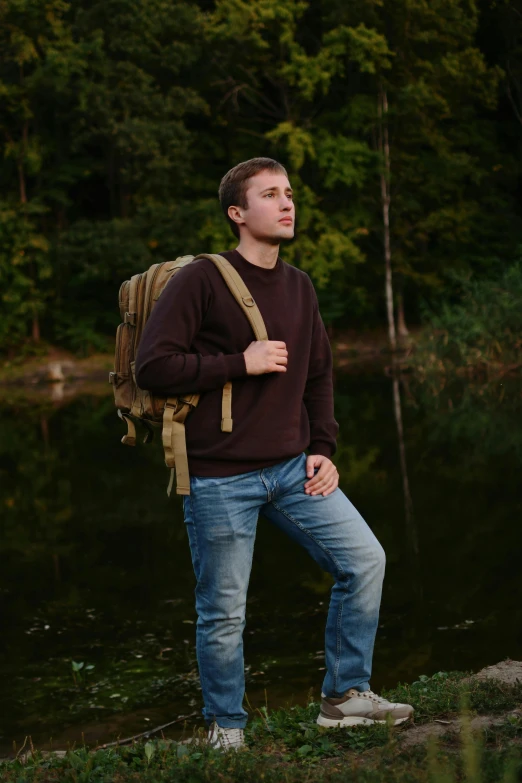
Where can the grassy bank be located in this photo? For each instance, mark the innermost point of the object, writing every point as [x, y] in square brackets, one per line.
[466, 728]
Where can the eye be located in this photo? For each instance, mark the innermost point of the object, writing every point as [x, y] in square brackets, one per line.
[268, 194]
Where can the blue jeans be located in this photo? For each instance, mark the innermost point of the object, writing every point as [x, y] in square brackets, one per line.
[221, 517]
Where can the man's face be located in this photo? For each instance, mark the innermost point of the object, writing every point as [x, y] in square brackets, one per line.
[270, 215]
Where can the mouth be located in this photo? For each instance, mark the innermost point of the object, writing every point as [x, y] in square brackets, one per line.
[287, 221]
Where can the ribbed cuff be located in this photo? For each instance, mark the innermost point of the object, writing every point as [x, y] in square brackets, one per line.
[322, 447]
[235, 364]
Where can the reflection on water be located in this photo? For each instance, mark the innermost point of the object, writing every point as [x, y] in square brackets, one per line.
[409, 520]
[97, 572]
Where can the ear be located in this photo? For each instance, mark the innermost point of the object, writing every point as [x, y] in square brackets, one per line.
[236, 214]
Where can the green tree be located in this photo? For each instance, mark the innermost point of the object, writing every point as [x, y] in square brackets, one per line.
[37, 59]
[279, 99]
[117, 120]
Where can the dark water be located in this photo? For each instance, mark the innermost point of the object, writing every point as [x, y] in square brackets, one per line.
[96, 568]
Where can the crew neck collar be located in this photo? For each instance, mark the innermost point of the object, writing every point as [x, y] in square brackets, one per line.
[261, 270]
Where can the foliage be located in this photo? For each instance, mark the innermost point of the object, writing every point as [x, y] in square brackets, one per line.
[480, 332]
[117, 120]
[443, 693]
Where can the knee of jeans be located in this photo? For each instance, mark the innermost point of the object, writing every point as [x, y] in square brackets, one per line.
[378, 559]
[221, 630]
[221, 607]
[372, 563]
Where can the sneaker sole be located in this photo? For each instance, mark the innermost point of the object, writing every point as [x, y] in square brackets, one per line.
[331, 723]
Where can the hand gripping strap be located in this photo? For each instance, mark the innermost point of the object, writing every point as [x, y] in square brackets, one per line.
[174, 442]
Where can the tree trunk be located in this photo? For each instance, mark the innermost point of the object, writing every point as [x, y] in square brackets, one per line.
[402, 329]
[111, 182]
[384, 148]
[35, 331]
[21, 181]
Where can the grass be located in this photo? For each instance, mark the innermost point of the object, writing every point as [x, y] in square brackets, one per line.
[287, 745]
[442, 694]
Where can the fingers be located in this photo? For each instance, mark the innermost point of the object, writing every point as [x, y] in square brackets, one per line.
[324, 482]
[281, 359]
[318, 489]
[326, 489]
[280, 364]
[263, 356]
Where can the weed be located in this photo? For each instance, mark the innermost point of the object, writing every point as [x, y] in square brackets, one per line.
[442, 693]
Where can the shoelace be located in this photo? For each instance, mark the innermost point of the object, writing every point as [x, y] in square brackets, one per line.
[373, 696]
[230, 736]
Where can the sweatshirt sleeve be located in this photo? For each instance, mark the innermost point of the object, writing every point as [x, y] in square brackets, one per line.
[165, 364]
[318, 396]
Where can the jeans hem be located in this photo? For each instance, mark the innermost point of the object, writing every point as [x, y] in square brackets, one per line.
[228, 723]
[362, 686]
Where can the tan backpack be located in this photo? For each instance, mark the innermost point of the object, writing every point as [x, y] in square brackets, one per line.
[137, 298]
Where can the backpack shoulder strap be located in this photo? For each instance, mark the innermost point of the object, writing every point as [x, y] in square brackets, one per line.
[176, 409]
[240, 293]
[130, 315]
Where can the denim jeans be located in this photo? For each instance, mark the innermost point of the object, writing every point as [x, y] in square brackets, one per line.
[221, 517]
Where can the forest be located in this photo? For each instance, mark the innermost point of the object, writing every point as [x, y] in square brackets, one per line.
[399, 124]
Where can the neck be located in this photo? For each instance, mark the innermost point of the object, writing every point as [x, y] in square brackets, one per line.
[258, 253]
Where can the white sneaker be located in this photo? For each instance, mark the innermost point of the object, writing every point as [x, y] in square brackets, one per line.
[222, 738]
[356, 708]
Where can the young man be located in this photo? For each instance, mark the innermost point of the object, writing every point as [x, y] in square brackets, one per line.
[196, 340]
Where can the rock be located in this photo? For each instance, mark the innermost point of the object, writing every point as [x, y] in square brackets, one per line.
[508, 672]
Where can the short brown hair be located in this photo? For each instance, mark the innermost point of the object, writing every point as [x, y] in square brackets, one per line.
[233, 187]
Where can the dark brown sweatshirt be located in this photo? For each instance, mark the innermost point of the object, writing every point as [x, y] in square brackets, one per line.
[194, 341]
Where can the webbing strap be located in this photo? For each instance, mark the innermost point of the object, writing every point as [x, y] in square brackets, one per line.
[174, 442]
[177, 409]
[130, 317]
[240, 293]
[243, 297]
[130, 438]
[226, 408]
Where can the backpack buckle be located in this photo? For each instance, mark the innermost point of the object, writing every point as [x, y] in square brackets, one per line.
[180, 401]
[187, 402]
